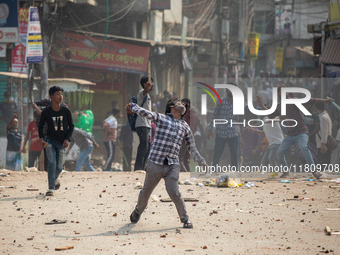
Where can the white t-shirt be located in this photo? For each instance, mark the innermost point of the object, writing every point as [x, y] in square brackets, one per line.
[273, 132]
[338, 136]
[143, 122]
[325, 129]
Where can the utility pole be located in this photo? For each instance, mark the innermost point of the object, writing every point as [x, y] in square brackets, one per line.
[46, 50]
[217, 41]
[30, 80]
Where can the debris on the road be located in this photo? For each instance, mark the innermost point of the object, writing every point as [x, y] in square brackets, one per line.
[154, 198]
[188, 182]
[31, 169]
[234, 183]
[334, 187]
[138, 185]
[64, 248]
[328, 230]
[7, 187]
[249, 184]
[55, 221]
[186, 199]
[31, 189]
[333, 209]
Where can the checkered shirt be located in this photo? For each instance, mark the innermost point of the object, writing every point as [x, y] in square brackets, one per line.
[81, 138]
[169, 137]
[224, 112]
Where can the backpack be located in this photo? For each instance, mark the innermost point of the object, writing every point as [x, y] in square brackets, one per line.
[132, 117]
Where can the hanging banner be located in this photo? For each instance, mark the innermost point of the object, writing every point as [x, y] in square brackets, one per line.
[73, 49]
[279, 58]
[18, 54]
[283, 19]
[253, 45]
[8, 21]
[34, 49]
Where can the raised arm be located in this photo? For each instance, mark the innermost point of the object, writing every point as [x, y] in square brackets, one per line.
[36, 108]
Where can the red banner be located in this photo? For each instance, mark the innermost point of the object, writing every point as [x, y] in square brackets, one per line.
[19, 52]
[74, 49]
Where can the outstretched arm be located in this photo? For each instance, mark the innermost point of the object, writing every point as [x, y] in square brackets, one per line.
[323, 100]
[131, 107]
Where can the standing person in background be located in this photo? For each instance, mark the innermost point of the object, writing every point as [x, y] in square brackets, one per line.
[85, 142]
[13, 154]
[324, 132]
[35, 144]
[110, 125]
[312, 122]
[8, 108]
[190, 118]
[126, 143]
[59, 131]
[337, 151]
[225, 133]
[143, 125]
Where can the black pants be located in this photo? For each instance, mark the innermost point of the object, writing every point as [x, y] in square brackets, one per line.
[128, 157]
[32, 157]
[110, 148]
[324, 158]
[143, 147]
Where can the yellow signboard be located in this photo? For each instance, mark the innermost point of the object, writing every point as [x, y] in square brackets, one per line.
[334, 12]
[279, 58]
[253, 45]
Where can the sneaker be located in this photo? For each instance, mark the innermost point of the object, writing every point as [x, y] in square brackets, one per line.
[188, 224]
[57, 184]
[50, 192]
[134, 217]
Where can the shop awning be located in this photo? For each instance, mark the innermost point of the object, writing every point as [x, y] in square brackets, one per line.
[24, 76]
[306, 49]
[331, 52]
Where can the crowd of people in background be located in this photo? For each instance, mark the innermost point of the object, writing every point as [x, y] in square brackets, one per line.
[275, 143]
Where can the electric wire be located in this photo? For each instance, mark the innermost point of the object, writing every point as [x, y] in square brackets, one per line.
[101, 45]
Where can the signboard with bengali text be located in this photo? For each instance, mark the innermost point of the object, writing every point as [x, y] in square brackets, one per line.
[74, 50]
[18, 54]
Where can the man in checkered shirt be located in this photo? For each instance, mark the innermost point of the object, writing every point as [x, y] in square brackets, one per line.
[163, 159]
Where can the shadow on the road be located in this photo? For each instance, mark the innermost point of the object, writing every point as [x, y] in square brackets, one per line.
[124, 230]
[18, 198]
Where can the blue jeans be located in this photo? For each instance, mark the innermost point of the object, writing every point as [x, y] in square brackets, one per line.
[55, 155]
[269, 155]
[301, 141]
[233, 144]
[84, 158]
[143, 147]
